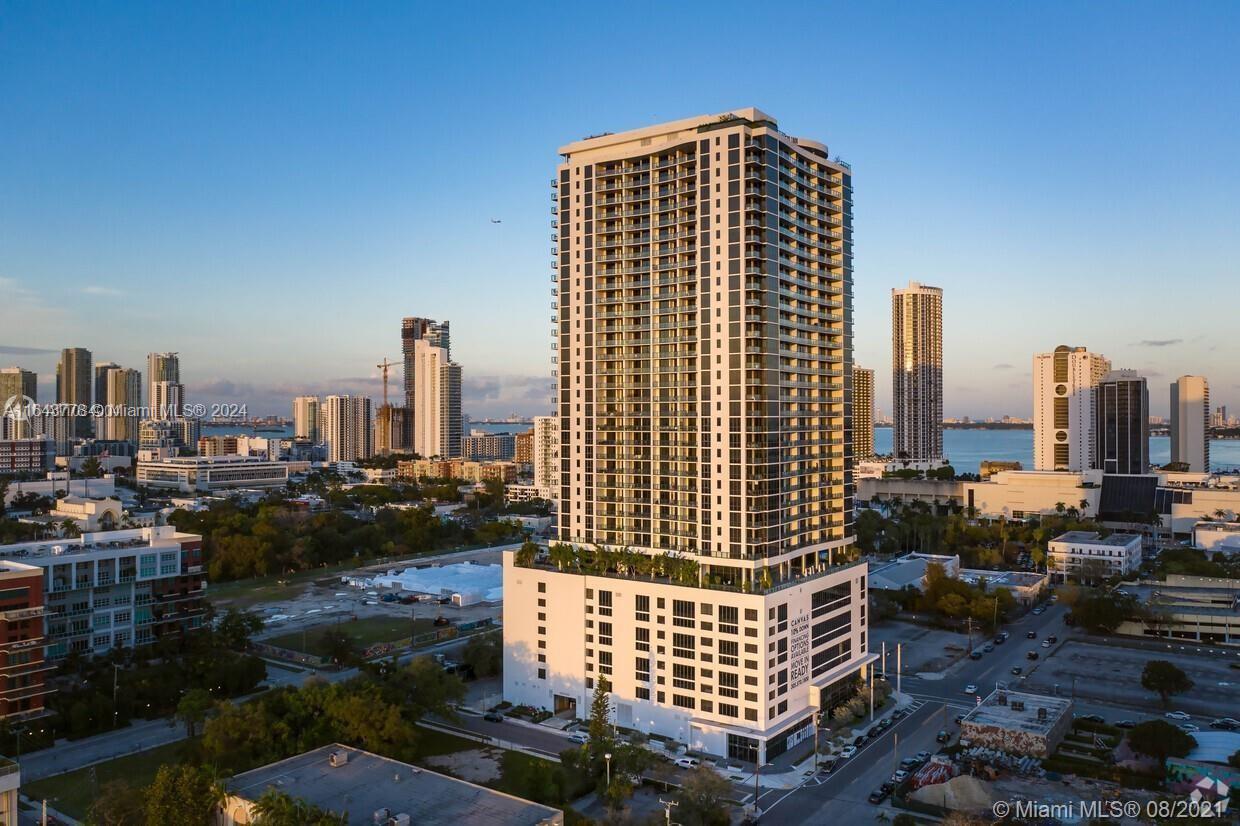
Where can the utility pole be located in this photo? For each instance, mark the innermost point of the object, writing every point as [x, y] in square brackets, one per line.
[115, 666]
[871, 696]
[899, 666]
[884, 659]
[667, 810]
[895, 755]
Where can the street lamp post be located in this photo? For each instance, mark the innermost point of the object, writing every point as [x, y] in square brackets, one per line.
[607, 757]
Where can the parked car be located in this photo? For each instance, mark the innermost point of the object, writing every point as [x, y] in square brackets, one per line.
[959, 718]
[878, 796]
[899, 714]
[1046, 643]
[922, 756]
[988, 647]
[1032, 655]
[970, 689]
[1178, 715]
[1000, 640]
[688, 762]
[1189, 728]
[899, 777]
[579, 737]
[943, 736]
[1016, 669]
[827, 766]
[1125, 724]
[976, 655]
[493, 717]
[1093, 718]
[1052, 639]
[847, 752]
[859, 741]
[885, 723]
[1226, 724]
[1032, 635]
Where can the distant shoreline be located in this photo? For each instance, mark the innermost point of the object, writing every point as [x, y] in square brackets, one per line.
[981, 425]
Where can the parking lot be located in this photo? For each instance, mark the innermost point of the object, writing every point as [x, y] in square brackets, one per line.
[924, 650]
[1111, 673]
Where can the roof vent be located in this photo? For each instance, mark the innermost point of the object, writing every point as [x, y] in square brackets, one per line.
[1042, 714]
[381, 816]
[337, 759]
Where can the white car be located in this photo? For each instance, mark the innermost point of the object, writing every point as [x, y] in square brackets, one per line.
[1046, 643]
[847, 752]
[687, 762]
[1189, 728]
[1178, 715]
[970, 689]
[899, 777]
[579, 737]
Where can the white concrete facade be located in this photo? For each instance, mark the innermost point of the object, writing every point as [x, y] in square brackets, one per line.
[1065, 408]
[1015, 494]
[1089, 555]
[748, 665]
[1190, 423]
[547, 455]
[207, 474]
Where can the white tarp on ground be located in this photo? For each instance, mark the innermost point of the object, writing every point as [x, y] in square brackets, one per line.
[479, 581]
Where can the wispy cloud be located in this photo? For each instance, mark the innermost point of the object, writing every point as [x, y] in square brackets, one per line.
[14, 350]
[1159, 342]
[96, 289]
[1005, 366]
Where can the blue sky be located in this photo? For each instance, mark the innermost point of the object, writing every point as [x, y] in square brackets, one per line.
[269, 187]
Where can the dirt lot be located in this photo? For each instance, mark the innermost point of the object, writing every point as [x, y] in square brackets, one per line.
[1112, 673]
[475, 765]
[924, 649]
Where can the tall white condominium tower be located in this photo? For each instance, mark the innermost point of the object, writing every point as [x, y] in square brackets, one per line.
[862, 413]
[167, 400]
[346, 428]
[547, 456]
[704, 326]
[413, 330]
[1123, 423]
[917, 371]
[436, 395]
[306, 419]
[1065, 408]
[122, 403]
[1190, 422]
[162, 367]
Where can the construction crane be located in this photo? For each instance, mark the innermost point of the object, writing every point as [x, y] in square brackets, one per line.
[384, 367]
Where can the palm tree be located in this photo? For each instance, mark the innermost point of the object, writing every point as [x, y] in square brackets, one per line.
[1084, 505]
[562, 555]
[1060, 507]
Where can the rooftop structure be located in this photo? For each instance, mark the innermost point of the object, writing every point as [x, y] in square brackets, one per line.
[374, 789]
[909, 569]
[1018, 723]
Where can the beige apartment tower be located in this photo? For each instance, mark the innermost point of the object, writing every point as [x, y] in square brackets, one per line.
[862, 414]
[703, 331]
[307, 417]
[917, 372]
[1190, 422]
[16, 384]
[1065, 408]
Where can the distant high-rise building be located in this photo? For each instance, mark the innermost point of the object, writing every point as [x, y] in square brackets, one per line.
[161, 367]
[306, 415]
[917, 371]
[546, 458]
[436, 398]
[17, 384]
[347, 428]
[523, 454]
[1123, 411]
[1220, 418]
[1190, 423]
[101, 382]
[391, 430]
[123, 398]
[862, 414]
[1064, 408]
[73, 387]
[412, 330]
[704, 321]
[167, 400]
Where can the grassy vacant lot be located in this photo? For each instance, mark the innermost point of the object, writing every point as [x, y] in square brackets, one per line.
[73, 792]
[365, 632]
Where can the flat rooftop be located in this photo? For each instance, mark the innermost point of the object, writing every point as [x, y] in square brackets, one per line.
[1013, 579]
[1022, 717]
[368, 782]
[164, 536]
[1186, 599]
[1093, 538]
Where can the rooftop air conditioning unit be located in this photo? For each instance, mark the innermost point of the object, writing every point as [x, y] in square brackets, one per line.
[338, 758]
[401, 819]
[381, 816]
[1042, 714]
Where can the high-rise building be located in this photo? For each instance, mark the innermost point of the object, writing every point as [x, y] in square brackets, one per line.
[23, 670]
[161, 367]
[306, 419]
[101, 383]
[391, 430]
[122, 400]
[347, 428]
[73, 387]
[546, 458]
[1065, 409]
[1190, 422]
[917, 371]
[704, 327]
[523, 453]
[17, 385]
[862, 413]
[1123, 423]
[436, 398]
[1220, 418]
[413, 329]
[167, 400]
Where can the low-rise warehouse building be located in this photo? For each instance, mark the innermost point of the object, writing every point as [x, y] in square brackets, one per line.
[377, 790]
[1018, 723]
